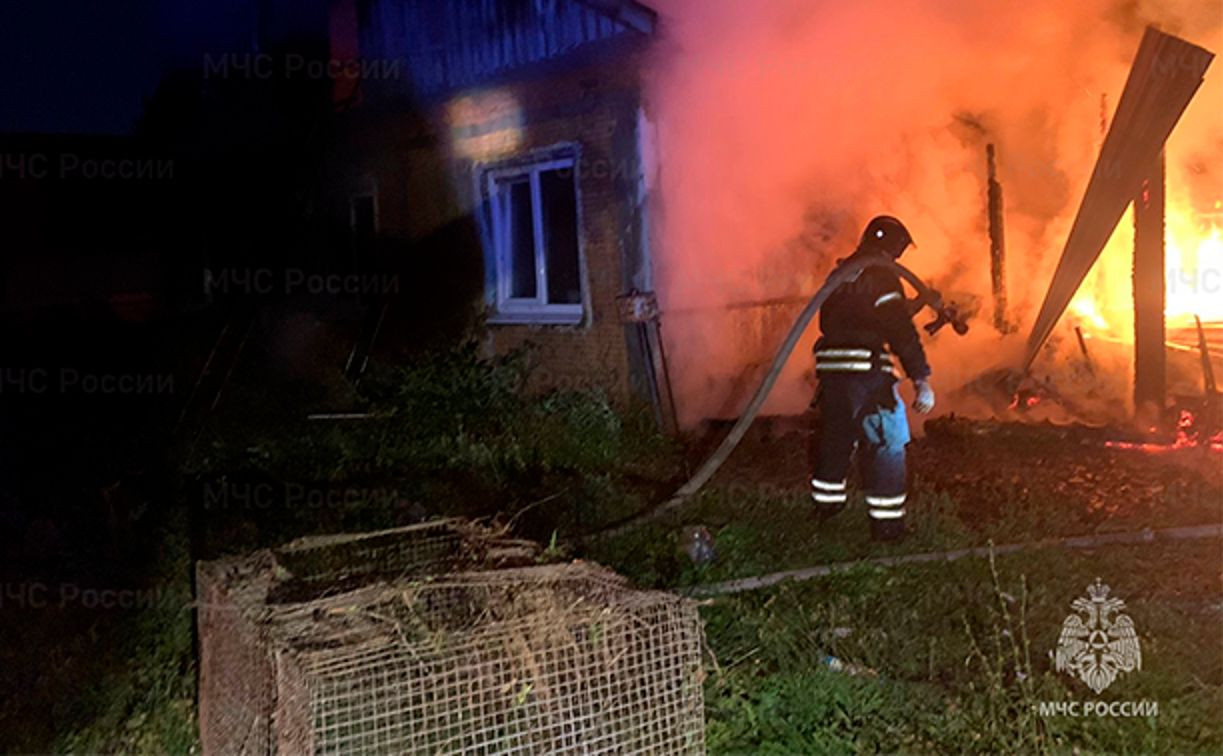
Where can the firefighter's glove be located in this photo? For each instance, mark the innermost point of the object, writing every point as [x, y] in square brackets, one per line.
[924, 402]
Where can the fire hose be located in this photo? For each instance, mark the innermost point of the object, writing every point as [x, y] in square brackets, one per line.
[845, 272]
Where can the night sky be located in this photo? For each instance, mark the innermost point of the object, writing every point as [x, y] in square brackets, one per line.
[72, 66]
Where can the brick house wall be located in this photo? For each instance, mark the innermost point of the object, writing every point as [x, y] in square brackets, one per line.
[596, 110]
[493, 97]
[427, 168]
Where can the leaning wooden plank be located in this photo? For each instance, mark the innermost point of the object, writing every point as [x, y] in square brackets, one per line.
[1166, 74]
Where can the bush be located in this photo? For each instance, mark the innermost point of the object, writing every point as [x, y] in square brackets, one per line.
[453, 392]
[577, 431]
[452, 433]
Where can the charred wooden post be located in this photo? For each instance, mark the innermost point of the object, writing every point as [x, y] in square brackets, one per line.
[1078, 332]
[1149, 292]
[1208, 370]
[1212, 415]
[997, 243]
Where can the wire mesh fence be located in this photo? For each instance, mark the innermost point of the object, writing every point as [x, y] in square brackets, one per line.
[563, 659]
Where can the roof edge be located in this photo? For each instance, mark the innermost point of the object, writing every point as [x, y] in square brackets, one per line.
[631, 13]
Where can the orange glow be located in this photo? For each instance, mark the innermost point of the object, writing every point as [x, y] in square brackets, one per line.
[1104, 305]
[1187, 437]
[1194, 284]
[1085, 308]
[780, 133]
[485, 125]
[1215, 446]
[1195, 268]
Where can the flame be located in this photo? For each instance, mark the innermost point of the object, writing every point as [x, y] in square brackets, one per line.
[1104, 304]
[1021, 402]
[1085, 309]
[1188, 436]
[1193, 244]
[1194, 248]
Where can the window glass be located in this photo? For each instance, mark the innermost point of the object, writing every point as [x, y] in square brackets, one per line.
[558, 198]
[521, 240]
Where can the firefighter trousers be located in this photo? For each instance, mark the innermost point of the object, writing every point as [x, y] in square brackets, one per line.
[861, 411]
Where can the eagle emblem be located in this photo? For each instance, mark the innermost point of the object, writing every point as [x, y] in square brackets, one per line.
[1098, 642]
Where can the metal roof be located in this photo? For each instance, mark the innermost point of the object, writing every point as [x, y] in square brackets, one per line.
[448, 45]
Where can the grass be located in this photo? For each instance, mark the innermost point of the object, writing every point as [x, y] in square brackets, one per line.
[762, 528]
[930, 658]
[118, 679]
[451, 434]
[948, 657]
[953, 657]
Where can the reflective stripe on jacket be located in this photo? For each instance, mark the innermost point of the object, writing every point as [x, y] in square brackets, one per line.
[861, 320]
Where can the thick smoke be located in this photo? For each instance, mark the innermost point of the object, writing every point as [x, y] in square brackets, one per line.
[784, 125]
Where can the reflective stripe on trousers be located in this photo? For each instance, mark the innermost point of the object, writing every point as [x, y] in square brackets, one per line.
[886, 507]
[829, 492]
[851, 417]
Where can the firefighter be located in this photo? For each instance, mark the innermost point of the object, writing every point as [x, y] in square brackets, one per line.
[863, 324]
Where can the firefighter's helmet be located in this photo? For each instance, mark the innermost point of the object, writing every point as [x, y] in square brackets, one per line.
[887, 234]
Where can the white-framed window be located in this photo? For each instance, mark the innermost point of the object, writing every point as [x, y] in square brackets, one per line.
[534, 231]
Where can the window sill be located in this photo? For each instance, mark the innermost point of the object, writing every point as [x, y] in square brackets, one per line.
[559, 317]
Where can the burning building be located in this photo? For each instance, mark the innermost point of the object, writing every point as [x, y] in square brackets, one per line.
[825, 131]
[715, 164]
[1130, 170]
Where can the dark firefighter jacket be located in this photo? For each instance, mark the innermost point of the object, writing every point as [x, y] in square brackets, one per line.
[861, 320]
